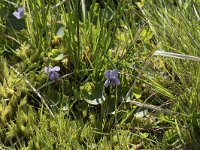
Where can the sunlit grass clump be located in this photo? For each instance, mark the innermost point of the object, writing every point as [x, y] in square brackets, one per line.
[99, 74]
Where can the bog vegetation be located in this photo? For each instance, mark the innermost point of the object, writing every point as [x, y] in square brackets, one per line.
[94, 74]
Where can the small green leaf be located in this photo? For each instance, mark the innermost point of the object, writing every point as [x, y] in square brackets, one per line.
[96, 101]
[92, 94]
[56, 55]
[59, 57]
[60, 29]
[140, 4]
[137, 93]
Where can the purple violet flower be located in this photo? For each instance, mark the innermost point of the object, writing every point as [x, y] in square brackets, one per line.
[52, 72]
[112, 79]
[19, 13]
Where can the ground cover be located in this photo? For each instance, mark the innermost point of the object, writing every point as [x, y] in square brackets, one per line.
[115, 74]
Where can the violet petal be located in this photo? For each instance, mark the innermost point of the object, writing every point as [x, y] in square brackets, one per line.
[56, 68]
[56, 75]
[53, 75]
[19, 13]
[117, 82]
[107, 82]
[107, 74]
[114, 73]
[46, 69]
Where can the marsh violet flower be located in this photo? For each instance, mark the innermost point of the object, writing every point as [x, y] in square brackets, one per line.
[52, 72]
[112, 79]
[19, 13]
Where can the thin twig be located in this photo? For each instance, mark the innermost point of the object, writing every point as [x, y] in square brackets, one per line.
[149, 106]
[176, 55]
[46, 84]
[66, 75]
[34, 90]
[153, 107]
[144, 105]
